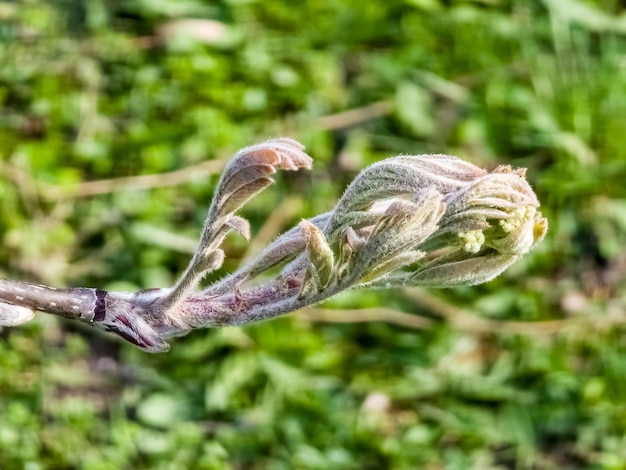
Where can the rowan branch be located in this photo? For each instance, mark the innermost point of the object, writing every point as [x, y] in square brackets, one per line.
[426, 220]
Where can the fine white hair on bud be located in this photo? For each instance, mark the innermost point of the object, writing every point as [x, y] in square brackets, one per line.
[412, 220]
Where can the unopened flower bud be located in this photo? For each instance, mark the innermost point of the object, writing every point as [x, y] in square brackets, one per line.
[484, 222]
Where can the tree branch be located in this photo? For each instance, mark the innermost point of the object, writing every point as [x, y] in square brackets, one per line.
[430, 220]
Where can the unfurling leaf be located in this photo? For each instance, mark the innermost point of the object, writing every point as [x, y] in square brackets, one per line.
[320, 255]
[246, 175]
[249, 172]
[462, 272]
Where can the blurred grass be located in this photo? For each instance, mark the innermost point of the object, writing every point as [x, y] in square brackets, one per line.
[98, 89]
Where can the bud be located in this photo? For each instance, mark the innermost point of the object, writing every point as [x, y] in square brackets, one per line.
[449, 222]
[320, 257]
[495, 221]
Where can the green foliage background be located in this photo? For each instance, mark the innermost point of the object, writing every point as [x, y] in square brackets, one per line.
[102, 89]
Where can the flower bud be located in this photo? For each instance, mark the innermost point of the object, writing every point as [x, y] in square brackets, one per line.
[12, 315]
[495, 220]
[485, 221]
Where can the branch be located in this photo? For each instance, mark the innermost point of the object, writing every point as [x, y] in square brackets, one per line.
[427, 220]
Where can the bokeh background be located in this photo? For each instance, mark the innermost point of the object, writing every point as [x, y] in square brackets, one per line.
[116, 118]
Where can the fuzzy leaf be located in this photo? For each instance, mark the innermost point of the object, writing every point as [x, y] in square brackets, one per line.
[391, 264]
[405, 226]
[243, 194]
[320, 254]
[277, 253]
[464, 272]
[239, 225]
